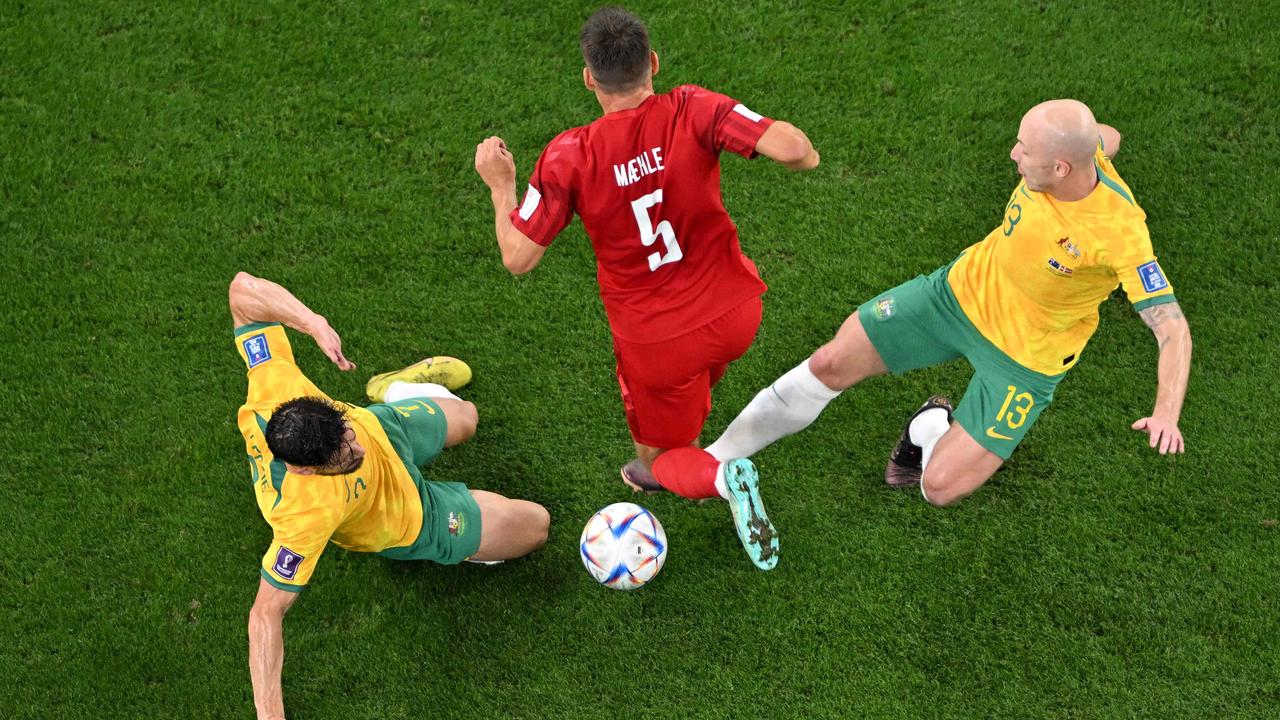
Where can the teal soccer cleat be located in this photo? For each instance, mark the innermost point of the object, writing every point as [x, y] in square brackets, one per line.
[758, 536]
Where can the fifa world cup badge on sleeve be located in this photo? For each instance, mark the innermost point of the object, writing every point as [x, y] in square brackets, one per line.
[257, 350]
[884, 309]
[1152, 277]
[287, 562]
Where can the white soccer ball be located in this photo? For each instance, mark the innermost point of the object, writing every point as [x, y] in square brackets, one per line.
[623, 546]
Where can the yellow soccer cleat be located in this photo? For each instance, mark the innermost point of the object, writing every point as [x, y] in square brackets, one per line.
[441, 369]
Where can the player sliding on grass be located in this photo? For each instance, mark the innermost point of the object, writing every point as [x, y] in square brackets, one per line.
[327, 471]
[682, 300]
[1019, 306]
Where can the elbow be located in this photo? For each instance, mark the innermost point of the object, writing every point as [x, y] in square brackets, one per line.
[796, 151]
[240, 288]
[516, 265]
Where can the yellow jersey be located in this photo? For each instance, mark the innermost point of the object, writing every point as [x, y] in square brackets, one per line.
[376, 507]
[1033, 285]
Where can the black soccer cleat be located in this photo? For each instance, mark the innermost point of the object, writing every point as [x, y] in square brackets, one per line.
[640, 478]
[904, 467]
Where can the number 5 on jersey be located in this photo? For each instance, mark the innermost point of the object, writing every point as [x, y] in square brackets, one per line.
[648, 234]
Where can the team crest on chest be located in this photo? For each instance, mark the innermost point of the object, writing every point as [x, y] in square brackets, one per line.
[1070, 247]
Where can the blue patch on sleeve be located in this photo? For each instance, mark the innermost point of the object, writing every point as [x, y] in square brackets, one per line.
[287, 562]
[1152, 277]
[256, 350]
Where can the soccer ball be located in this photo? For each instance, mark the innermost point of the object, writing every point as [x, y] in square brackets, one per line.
[623, 546]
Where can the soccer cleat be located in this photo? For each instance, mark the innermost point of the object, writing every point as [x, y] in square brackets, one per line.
[904, 467]
[639, 478]
[441, 369]
[758, 536]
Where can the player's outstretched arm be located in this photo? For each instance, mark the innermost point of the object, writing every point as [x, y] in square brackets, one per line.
[266, 649]
[254, 299]
[497, 167]
[1174, 338]
[788, 146]
[1110, 140]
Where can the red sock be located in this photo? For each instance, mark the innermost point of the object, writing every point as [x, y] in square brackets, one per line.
[688, 472]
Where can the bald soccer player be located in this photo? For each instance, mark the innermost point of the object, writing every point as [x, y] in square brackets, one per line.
[1019, 306]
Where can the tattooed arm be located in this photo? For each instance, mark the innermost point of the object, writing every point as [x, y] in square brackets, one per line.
[1174, 338]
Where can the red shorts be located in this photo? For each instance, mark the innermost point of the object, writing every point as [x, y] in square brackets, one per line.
[666, 386]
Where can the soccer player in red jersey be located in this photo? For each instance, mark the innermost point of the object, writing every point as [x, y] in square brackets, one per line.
[682, 300]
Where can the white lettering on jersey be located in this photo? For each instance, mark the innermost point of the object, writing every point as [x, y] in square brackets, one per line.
[744, 112]
[645, 163]
[531, 200]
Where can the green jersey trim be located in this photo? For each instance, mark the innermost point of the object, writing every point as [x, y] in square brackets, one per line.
[278, 470]
[279, 585]
[1151, 302]
[254, 326]
[1102, 178]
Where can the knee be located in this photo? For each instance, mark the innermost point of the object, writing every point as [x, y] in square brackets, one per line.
[940, 485]
[467, 419]
[539, 525]
[827, 365]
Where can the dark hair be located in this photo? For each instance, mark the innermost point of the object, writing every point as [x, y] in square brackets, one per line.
[306, 431]
[615, 46]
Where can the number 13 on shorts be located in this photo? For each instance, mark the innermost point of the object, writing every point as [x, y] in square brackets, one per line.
[1015, 408]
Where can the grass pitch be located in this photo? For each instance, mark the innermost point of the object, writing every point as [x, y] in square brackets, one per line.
[151, 151]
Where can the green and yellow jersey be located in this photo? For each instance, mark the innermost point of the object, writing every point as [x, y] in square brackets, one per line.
[1033, 285]
[376, 507]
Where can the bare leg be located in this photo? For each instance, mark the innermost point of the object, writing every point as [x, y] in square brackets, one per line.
[796, 399]
[509, 528]
[848, 359]
[461, 418]
[957, 467]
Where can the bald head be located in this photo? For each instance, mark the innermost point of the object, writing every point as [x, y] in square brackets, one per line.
[1064, 130]
[1055, 147]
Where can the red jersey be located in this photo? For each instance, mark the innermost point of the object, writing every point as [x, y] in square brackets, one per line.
[646, 183]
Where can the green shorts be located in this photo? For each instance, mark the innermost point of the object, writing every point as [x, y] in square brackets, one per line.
[450, 517]
[919, 324]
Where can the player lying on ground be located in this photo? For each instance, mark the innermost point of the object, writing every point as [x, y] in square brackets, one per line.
[682, 300]
[327, 471]
[1019, 306]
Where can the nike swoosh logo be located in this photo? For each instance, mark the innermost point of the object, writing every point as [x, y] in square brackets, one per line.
[991, 432]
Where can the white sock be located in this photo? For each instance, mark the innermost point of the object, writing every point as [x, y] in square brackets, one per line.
[721, 486]
[925, 431]
[400, 390]
[787, 406]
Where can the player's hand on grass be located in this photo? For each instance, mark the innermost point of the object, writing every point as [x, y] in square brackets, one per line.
[495, 164]
[329, 342]
[1163, 433]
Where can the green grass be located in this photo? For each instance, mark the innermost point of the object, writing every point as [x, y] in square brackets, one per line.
[148, 152]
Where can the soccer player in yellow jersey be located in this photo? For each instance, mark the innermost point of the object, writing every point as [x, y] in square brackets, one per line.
[325, 471]
[1019, 306]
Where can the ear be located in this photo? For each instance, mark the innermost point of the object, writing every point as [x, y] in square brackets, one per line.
[653, 63]
[588, 79]
[299, 469]
[1062, 168]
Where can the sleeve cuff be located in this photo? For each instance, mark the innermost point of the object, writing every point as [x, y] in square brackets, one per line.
[253, 326]
[279, 585]
[1152, 302]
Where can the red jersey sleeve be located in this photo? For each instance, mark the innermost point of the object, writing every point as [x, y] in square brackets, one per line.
[724, 123]
[547, 207]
